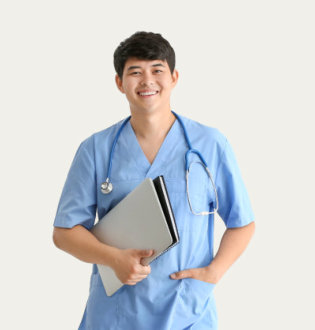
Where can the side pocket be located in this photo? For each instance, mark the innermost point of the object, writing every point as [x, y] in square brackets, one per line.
[195, 295]
[101, 311]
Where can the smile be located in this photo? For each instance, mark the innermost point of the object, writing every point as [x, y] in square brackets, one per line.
[149, 93]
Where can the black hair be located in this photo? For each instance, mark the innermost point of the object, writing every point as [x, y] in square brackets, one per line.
[144, 46]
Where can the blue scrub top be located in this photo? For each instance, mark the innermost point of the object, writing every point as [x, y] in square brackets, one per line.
[157, 302]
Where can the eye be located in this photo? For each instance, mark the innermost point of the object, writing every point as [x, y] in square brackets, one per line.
[135, 73]
[158, 71]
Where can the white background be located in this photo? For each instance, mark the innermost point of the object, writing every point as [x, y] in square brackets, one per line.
[246, 67]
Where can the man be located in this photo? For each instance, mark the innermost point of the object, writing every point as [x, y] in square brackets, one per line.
[175, 291]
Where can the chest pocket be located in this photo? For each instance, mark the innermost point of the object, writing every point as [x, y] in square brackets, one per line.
[199, 188]
[199, 198]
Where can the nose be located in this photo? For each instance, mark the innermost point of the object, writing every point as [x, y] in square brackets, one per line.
[147, 79]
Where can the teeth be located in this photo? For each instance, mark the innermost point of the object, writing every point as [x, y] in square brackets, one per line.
[148, 93]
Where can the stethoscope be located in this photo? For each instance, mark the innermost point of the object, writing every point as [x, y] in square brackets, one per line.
[107, 186]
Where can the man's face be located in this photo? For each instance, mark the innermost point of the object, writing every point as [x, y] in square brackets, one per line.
[147, 84]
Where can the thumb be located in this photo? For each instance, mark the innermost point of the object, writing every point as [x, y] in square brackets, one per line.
[145, 253]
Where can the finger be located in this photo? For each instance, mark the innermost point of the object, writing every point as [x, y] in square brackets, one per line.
[135, 280]
[138, 276]
[182, 274]
[145, 270]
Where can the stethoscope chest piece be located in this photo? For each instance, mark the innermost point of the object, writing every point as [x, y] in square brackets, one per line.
[106, 187]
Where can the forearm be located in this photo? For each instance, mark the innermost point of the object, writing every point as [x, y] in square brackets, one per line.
[234, 241]
[82, 244]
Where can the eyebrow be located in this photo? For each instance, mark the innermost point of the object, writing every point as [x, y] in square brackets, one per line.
[139, 67]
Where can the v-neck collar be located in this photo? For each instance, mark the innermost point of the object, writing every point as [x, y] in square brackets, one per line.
[136, 153]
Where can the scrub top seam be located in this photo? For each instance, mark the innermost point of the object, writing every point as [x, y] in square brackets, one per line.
[220, 162]
[95, 173]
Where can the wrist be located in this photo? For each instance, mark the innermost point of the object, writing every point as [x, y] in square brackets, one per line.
[214, 271]
[110, 256]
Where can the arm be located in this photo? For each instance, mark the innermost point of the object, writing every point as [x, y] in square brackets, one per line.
[233, 243]
[82, 244]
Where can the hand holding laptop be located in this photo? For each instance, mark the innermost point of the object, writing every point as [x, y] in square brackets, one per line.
[128, 267]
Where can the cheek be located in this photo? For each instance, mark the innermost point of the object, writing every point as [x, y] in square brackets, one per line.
[166, 91]
[128, 84]
[166, 86]
[128, 90]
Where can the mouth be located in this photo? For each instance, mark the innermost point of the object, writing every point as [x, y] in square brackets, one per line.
[147, 93]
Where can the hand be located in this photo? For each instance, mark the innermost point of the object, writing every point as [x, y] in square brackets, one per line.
[127, 265]
[202, 274]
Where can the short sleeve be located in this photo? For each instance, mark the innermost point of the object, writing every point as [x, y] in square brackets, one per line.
[234, 204]
[77, 205]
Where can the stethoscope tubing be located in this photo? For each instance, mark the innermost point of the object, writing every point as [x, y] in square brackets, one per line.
[114, 146]
[107, 187]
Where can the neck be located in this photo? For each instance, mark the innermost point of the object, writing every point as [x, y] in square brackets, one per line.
[152, 125]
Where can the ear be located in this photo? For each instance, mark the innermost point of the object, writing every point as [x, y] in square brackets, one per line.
[119, 84]
[174, 77]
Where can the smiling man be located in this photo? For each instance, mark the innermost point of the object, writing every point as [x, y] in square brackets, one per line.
[176, 291]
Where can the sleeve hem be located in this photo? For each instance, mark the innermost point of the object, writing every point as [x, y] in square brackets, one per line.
[240, 223]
